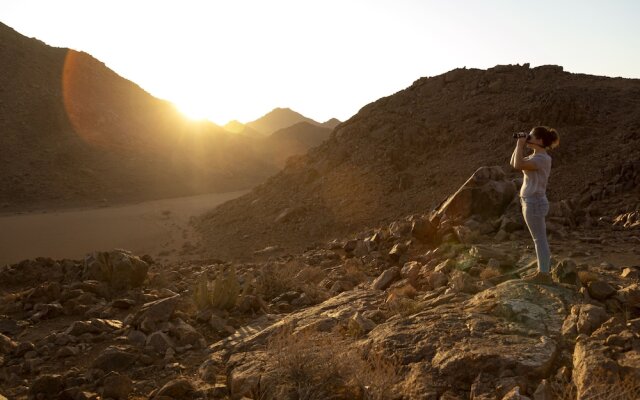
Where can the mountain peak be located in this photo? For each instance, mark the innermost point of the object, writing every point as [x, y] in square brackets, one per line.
[277, 119]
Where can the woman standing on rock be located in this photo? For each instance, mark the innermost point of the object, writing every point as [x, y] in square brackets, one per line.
[533, 193]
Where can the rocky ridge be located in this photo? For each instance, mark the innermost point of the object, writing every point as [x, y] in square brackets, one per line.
[405, 153]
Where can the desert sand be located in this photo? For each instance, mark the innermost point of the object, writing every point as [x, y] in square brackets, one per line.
[159, 227]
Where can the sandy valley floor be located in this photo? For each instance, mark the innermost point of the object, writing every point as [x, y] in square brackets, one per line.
[159, 228]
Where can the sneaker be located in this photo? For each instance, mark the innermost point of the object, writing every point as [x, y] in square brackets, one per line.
[543, 278]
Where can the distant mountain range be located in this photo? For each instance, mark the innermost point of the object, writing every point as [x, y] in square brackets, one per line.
[280, 118]
[73, 132]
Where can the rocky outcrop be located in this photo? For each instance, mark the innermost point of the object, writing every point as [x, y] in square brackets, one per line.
[119, 268]
[510, 330]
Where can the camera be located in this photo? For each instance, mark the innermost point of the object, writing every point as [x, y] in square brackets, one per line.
[521, 135]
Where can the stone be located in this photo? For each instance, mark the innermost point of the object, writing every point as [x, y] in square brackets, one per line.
[160, 342]
[169, 354]
[446, 266]
[217, 391]
[7, 345]
[117, 387]
[244, 378]
[501, 236]
[514, 394]
[340, 286]
[9, 327]
[385, 279]
[594, 372]
[23, 348]
[437, 279]
[95, 326]
[566, 272]
[485, 253]
[509, 224]
[397, 251]
[47, 385]
[350, 245]
[123, 304]
[359, 325]
[49, 310]
[629, 295]
[67, 351]
[119, 268]
[137, 338]
[411, 271]
[486, 193]
[399, 229]
[630, 273]
[403, 288]
[587, 277]
[464, 234]
[114, 359]
[177, 389]
[423, 230]
[187, 334]
[600, 290]
[155, 312]
[590, 318]
[220, 326]
[460, 281]
[543, 391]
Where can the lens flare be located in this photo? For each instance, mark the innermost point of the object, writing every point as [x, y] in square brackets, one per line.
[79, 103]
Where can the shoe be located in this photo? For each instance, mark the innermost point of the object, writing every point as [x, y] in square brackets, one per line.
[543, 278]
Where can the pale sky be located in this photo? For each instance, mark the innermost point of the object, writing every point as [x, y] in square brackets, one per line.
[239, 59]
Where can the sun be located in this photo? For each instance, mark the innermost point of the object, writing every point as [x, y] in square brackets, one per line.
[192, 110]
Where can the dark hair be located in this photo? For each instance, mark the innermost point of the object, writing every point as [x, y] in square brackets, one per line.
[549, 136]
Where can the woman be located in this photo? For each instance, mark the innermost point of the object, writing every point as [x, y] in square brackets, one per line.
[533, 193]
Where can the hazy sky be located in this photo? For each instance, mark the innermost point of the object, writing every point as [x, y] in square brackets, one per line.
[238, 59]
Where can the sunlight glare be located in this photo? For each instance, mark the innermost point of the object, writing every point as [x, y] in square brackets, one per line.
[194, 110]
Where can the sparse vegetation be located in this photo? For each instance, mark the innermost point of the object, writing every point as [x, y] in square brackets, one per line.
[490, 272]
[626, 389]
[311, 365]
[221, 294]
[274, 279]
[404, 306]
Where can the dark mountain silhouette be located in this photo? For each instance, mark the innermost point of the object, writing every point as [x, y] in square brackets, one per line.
[404, 153]
[332, 123]
[237, 127]
[294, 140]
[76, 133]
[277, 119]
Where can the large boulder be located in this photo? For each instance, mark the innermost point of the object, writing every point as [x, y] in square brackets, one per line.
[486, 193]
[119, 268]
[46, 386]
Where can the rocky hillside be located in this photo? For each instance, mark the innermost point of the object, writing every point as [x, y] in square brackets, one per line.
[76, 133]
[427, 307]
[404, 153]
[293, 140]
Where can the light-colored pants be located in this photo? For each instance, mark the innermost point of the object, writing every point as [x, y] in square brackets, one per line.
[534, 210]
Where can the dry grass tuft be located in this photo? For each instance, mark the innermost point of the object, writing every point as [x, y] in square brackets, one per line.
[625, 389]
[273, 279]
[490, 272]
[313, 365]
